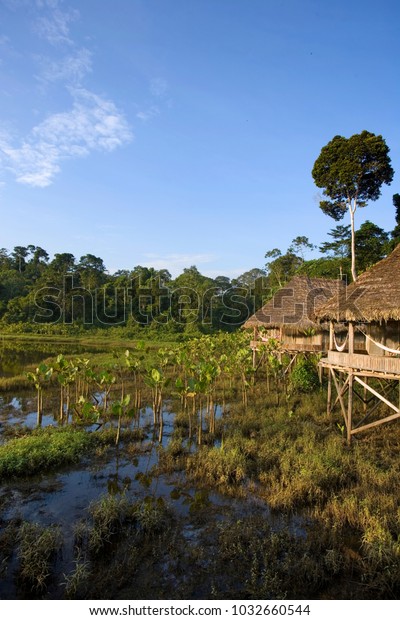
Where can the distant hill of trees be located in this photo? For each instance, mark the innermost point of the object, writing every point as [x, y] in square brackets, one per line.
[68, 293]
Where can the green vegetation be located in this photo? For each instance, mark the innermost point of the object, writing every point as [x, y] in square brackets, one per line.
[66, 297]
[322, 514]
[351, 172]
[42, 450]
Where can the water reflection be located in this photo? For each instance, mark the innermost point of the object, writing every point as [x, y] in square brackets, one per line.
[15, 355]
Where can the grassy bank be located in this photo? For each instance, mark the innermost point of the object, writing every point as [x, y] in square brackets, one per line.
[45, 449]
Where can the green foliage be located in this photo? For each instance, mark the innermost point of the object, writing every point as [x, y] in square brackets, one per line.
[371, 245]
[43, 450]
[107, 517]
[304, 376]
[339, 247]
[351, 172]
[354, 167]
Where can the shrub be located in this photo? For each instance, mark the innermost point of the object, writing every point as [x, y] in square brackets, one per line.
[304, 377]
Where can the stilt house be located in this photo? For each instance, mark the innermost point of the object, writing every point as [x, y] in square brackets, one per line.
[290, 316]
[370, 310]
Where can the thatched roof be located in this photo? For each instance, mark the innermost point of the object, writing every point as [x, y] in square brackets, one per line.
[374, 297]
[294, 306]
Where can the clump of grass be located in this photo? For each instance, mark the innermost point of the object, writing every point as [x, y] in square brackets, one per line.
[77, 581]
[218, 466]
[253, 561]
[18, 382]
[112, 517]
[107, 516]
[152, 515]
[43, 450]
[38, 547]
[172, 458]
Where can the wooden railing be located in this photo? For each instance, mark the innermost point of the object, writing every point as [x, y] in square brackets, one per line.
[257, 344]
[373, 363]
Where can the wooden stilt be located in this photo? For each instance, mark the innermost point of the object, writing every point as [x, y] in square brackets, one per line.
[340, 391]
[365, 401]
[350, 408]
[329, 399]
[382, 398]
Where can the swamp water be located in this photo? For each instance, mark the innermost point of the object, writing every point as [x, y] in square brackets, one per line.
[181, 556]
[178, 556]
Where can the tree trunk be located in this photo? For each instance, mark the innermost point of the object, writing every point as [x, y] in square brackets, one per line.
[352, 209]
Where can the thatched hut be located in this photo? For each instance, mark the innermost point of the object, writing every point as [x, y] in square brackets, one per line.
[290, 315]
[370, 309]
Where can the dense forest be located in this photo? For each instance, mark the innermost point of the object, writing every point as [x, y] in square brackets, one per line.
[65, 294]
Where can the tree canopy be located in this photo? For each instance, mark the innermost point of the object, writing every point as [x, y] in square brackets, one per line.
[351, 172]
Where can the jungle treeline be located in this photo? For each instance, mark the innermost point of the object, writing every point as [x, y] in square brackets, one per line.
[64, 294]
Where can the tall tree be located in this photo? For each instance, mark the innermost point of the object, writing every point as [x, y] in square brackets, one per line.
[351, 172]
[63, 263]
[19, 255]
[91, 270]
[281, 267]
[395, 234]
[339, 247]
[300, 245]
[371, 244]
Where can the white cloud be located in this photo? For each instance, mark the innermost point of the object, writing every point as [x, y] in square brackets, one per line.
[158, 87]
[71, 68]
[54, 27]
[93, 124]
[148, 114]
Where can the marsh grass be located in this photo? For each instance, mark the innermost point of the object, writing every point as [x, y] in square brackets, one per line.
[295, 457]
[278, 445]
[18, 382]
[38, 548]
[76, 583]
[254, 561]
[42, 450]
[112, 518]
[107, 515]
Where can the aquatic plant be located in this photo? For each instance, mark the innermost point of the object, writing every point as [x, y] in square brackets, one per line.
[39, 378]
[37, 548]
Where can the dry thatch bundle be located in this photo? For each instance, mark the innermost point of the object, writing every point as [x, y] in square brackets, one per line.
[375, 297]
[294, 306]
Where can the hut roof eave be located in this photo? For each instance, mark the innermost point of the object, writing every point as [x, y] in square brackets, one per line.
[293, 308]
[374, 297]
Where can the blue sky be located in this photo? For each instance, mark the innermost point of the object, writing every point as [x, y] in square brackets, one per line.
[179, 132]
